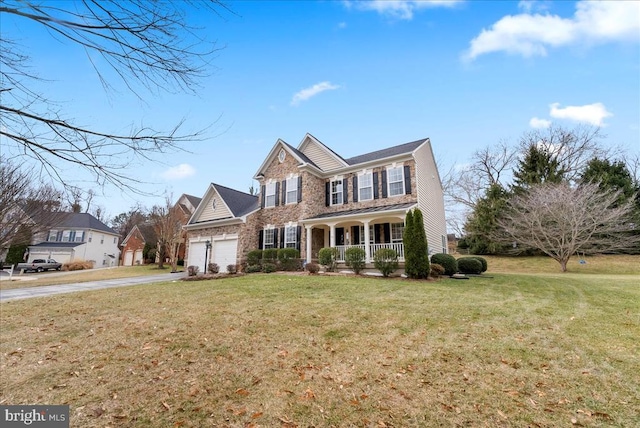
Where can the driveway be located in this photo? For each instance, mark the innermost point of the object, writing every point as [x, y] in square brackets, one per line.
[49, 290]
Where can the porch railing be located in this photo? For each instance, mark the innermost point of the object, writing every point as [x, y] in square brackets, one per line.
[398, 246]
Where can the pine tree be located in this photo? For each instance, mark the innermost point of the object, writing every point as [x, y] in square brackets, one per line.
[536, 167]
[482, 223]
[409, 241]
[416, 252]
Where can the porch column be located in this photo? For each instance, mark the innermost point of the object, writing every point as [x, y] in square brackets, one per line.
[367, 242]
[332, 235]
[308, 229]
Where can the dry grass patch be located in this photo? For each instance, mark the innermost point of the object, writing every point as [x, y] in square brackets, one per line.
[299, 351]
[599, 264]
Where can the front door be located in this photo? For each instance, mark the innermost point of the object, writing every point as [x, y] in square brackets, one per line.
[339, 235]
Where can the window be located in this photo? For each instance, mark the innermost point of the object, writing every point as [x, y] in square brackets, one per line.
[268, 239]
[395, 178]
[372, 234]
[270, 195]
[102, 239]
[66, 236]
[397, 230]
[79, 236]
[214, 204]
[90, 236]
[114, 239]
[282, 155]
[365, 187]
[292, 190]
[336, 192]
[290, 240]
[53, 235]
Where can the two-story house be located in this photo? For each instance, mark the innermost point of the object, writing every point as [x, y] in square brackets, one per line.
[310, 197]
[77, 236]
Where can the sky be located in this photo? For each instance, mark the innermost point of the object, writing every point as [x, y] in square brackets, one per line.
[362, 76]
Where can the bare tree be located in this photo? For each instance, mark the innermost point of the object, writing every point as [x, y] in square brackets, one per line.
[124, 222]
[561, 221]
[167, 221]
[145, 44]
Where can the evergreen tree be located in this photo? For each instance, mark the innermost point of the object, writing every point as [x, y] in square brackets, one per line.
[416, 252]
[482, 223]
[610, 177]
[408, 241]
[536, 167]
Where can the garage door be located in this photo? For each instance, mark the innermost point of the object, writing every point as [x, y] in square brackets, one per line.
[224, 253]
[138, 258]
[128, 258]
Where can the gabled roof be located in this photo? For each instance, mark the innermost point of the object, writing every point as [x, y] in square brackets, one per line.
[297, 154]
[80, 221]
[147, 232]
[326, 151]
[194, 200]
[385, 153]
[240, 203]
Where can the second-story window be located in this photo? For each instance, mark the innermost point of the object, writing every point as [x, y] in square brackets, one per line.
[270, 195]
[336, 192]
[365, 186]
[395, 177]
[79, 236]
[292, 190]
[53, 234]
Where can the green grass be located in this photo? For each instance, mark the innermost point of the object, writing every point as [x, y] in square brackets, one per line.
[296, 350]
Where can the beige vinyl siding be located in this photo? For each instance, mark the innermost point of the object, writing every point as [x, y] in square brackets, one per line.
[430, 197]
[208, 213]
[321, 157]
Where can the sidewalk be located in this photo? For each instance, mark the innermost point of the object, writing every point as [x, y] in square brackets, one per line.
[49, 290]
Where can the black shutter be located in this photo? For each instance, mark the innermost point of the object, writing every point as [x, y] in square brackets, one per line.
[260, 239]
[327, 194]
[407, 180]
[376, 193]
[355, 188]
[275, 237]
[282, 229]
[277, 193]
[300, 188]
[264, 194]
[387, 232]
[284, 192]
[345, 194]
[298, 236]
[355, 232]
[384, 183]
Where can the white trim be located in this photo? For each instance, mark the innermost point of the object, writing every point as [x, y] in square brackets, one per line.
[294, 180]
[391, 168]
[360, 186]
[340, 200]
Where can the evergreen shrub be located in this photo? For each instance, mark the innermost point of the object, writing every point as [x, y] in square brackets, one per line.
[354, 258]
[386, 261]
[447, 261]
[470, 265]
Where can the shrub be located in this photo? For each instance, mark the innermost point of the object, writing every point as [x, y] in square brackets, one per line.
[483, 261]
[193, 270]
[386, 261]
[268, 267]
[447, 261]
[469, 265]
[436, 270]
[77, 265]
[312, 268]
[254, 257]
[253, 268]
[327, 257]
[180, 262]
[232, 269]
[289, 259]
[416, 248]
[354, 258]
[213, 268]
[270, 254]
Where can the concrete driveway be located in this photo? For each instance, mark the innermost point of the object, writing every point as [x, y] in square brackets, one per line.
[49, 290]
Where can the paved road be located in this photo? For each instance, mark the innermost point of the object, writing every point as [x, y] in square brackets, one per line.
[49, 290]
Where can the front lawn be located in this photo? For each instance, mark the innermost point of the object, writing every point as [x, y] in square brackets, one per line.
[299, 351]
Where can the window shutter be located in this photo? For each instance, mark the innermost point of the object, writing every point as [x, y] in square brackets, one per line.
[384, 183]
[345, 194]
[407, 180]
[260, 239]
[264, 193]
[300, 188]
[282, 229]
[327, 194]
[387, 232]
[275, 237]
[277, 193]
[298, 236]
[355, 188]
[284, 192]
[355, 232]
[376, 193]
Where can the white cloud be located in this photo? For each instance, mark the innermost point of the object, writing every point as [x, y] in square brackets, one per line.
[532, 34]
[178, 172]
[342, 25]
[399, 9]
[530, 5]
[593, 114]
[312, 91]
[539, 123]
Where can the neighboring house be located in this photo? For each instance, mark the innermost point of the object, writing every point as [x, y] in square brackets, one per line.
[133, 244]
[312, 198]
[76, 236]
[187, 205]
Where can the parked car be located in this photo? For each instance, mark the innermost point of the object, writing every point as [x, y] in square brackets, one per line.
[39, 265]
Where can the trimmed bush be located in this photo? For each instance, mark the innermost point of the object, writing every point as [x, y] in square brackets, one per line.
[268, 267]
[447, 261]
[213, 268]
[354, 258]
[270, 254]
[254, 257]
[192, 270]
[232, 269]
[483, 261]
[312, 268]
[289, 259]
[386, 261]
[470, 265]
[327, 257]
[436, 270]
[253, 268]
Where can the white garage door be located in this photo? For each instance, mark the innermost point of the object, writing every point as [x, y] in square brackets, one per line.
[128, 258]
[224, 253]
[196, 255]
[138, 258]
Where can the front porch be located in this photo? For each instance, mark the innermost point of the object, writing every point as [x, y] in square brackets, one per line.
[397, 246]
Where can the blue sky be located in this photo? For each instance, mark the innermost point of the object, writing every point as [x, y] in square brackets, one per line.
[362, 76]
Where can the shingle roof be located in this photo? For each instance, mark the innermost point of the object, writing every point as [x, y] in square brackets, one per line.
[385, 153]
[80, 221]
[300, 154]
[239, 203]
[364, 210]
[148, 233]
[57, 244]
[194, 200]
